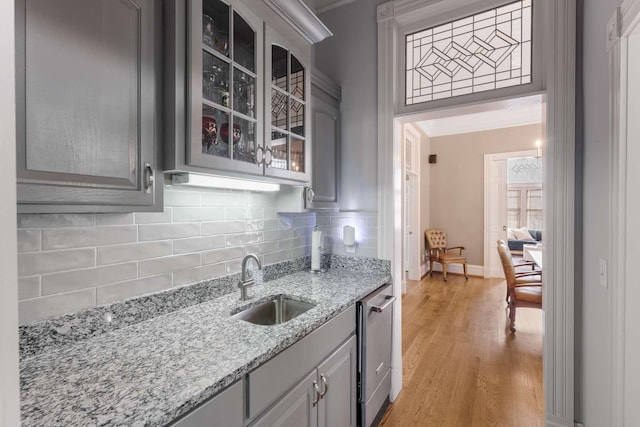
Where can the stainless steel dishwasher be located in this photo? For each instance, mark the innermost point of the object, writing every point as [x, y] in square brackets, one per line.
[375, 315]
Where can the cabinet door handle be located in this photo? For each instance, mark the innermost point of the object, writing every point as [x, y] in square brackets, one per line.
[326, 385]
[270, 152]
[318, 394]
[260, 160]
[310, 195]
[148, 178]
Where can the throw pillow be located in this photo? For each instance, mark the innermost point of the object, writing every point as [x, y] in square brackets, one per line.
[510, 235]
[522, 234]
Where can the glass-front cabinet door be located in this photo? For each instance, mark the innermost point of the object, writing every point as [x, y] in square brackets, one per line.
[225, 87]
[287, 93]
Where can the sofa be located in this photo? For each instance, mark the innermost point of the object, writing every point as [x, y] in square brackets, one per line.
[516, 245]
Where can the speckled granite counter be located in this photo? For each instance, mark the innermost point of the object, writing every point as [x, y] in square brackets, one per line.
[151, 372]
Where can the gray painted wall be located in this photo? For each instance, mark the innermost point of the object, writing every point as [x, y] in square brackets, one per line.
[593, 354]
[457, 182]
[350, 58]
[9, 393]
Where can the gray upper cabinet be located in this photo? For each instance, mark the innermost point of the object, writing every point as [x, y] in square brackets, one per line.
[236, 94]
[87, 97]
[214, 50]
[287, 91]
[325, 116]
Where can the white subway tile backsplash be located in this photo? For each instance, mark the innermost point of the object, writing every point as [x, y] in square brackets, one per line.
[245, 239]
[197, 214]
[262, 199]
[63, 238]
[132, 288]
[270, 236]
[168, 264]
[55, 220]
[262, 248]
[223, 227]
[114, 219]
[29, 240]
[220, 255]
[122, 253]
[28, 287]
[196, 244]
[68, 262]
[33, 263]
[41, 308]
[181, 199]
[193, 275]
[167, 231]
[243, 213]
[153, 217]
[224, 199]
[275, 257]
[87, 278]
[285, 244]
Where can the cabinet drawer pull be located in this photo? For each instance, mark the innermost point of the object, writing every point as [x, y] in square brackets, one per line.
[148, 178]
[390, 299]
[326, 385]
[318, 394]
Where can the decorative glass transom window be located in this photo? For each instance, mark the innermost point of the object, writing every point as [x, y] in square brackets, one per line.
[489, 50]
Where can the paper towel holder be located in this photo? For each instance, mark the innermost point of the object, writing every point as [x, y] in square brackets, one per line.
[349, 239]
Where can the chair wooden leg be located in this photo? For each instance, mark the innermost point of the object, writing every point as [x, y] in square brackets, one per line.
[444, 272]
[466, 276]
[512, 315]
[430, 267]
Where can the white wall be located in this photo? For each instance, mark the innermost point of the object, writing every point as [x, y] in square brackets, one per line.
[593, 326]
[349, 57]
[9, 395]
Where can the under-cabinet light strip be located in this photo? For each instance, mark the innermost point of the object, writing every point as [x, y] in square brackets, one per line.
[211, 181]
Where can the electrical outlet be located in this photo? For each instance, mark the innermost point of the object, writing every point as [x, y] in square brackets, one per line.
[603, 272]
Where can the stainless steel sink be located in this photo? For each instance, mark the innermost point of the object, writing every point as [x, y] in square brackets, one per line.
[274, 311]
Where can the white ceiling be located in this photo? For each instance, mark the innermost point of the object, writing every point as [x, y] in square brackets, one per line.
[516, 115]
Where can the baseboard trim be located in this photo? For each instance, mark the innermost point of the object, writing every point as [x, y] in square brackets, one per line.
[472, 270]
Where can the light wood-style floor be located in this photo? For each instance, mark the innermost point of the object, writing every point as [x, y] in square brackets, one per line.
[461, 364]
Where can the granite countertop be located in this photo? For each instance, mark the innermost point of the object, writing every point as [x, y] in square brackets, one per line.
[152, 372]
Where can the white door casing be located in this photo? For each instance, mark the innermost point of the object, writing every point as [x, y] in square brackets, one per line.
[555, 22]
[623, 31]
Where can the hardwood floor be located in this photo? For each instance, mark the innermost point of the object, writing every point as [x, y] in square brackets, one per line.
[462, 366]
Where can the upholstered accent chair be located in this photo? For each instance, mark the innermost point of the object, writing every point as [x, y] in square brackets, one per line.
[438, 252]
[524, 289]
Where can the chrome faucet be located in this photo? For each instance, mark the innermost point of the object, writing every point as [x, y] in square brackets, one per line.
[244, 282]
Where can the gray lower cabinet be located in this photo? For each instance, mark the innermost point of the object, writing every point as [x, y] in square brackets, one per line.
[224, 410]
[326, 397]
[337, 407]
[87, 94]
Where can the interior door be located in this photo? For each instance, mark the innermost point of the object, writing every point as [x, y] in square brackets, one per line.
[412, 196]
[497, 213]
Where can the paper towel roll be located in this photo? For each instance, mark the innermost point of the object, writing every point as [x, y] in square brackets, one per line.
[316, 241]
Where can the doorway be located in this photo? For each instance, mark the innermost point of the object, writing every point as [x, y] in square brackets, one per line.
[556, 26]
[506, 200]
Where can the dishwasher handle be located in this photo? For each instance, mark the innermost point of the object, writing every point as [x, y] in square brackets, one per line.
[390, 299]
